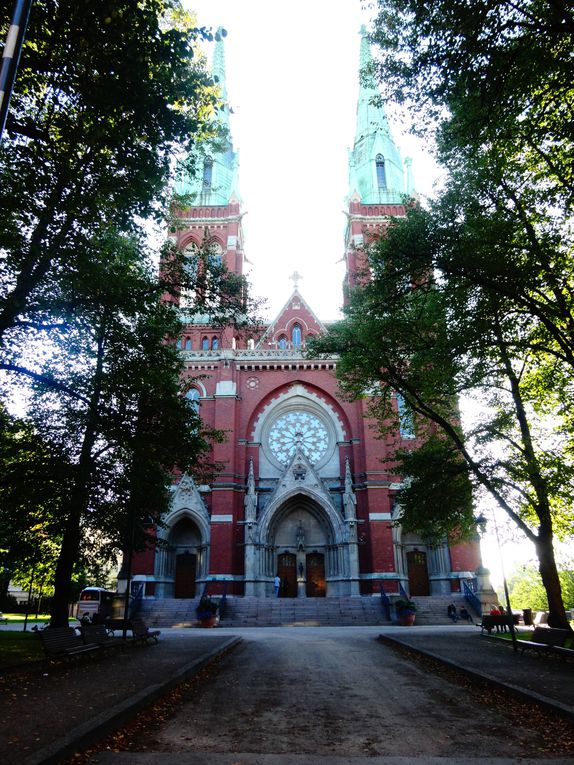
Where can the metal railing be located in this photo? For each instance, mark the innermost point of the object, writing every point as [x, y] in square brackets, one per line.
[385, 603]
[470, 595]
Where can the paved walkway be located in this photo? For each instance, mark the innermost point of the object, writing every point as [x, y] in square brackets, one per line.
[546, 679]
[44, 717]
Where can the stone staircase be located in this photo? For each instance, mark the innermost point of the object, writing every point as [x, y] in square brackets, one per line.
[432, 608]
[169, 612]
[309, 612]
[302, 612]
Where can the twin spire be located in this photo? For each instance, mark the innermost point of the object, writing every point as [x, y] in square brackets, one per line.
[215, 184]
[376, 172]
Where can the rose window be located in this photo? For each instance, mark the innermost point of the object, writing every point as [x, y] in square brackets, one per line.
[298, 429]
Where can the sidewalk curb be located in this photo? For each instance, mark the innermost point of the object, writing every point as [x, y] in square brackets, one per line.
[554, 706]
[95, 729]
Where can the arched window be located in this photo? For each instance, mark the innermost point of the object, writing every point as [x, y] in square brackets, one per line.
[188, 344]
[178, 344]
[381, 173]
[207, 172]
[282, 343]
[205, 344]
[193, 396]
[296, 335]
[214, 344]
[406, 419]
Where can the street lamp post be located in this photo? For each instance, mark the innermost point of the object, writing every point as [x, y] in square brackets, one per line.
[11, 56]
[481, 521]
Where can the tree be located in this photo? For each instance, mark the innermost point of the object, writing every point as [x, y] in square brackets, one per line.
[108, 99]
[431, 337]
[128, 424]
[527, 590]
[32, 480]
[107, 95]
[492, 83]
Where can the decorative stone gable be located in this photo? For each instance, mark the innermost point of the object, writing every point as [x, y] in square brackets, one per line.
[186, 495]
[300, 476]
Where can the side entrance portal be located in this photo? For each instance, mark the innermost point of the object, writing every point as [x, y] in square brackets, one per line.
[185, 568]
[418, 573]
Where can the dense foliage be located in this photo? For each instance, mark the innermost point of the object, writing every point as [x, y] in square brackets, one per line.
[474, 296]
[109, 97]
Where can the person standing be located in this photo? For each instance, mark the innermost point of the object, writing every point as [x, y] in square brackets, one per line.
[277, 585]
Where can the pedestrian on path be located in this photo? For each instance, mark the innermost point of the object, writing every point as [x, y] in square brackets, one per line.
[277, 585]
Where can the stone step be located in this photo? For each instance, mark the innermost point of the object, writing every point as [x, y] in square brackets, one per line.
[260, 612]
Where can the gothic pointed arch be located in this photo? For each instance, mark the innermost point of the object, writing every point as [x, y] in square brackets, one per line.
[294, 409]
[300, 482]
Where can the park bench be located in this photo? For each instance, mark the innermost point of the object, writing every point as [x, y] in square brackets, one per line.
[547, 640]
[64, 643]
[100, 635]
[140, 631]
[490, 621]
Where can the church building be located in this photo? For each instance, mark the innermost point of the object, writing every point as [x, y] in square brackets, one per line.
[304, 492]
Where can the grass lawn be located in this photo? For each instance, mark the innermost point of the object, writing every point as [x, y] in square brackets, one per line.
[16, 618]
[18, 647]
[527, 635]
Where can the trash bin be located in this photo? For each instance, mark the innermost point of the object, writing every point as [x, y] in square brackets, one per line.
[527, 616]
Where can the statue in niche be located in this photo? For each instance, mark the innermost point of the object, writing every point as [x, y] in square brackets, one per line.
[250, 501]
[349, 498]
[299, 472]
[300, 536]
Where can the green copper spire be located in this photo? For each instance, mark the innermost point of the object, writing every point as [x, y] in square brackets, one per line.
[216, 180]
[376, 173]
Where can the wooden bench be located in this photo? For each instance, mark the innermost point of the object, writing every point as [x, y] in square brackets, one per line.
[140, 631]
[100, 635]
[64, 643]
[490, 621]
[547, 640]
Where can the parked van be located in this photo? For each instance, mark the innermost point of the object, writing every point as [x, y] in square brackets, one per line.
[96, 600]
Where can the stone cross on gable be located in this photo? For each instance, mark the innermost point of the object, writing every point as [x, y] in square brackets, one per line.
[295, 278]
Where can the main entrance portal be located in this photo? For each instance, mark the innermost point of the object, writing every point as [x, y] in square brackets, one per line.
[287, 570]
[302, 537]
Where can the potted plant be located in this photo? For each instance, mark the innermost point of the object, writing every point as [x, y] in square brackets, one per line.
[208, 611]
[406, 608]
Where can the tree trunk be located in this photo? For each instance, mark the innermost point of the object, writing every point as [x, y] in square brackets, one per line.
[79, 499]
[65, 568]
[551, 582]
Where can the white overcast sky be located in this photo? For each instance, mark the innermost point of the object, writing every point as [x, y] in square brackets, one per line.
[292, 81]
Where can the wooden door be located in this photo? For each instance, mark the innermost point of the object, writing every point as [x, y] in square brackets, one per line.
[287, 570]
[185, 565]
[418, 573]
[315, 587]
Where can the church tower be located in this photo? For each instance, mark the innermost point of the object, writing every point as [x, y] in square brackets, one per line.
[304, 491]
[380, 183]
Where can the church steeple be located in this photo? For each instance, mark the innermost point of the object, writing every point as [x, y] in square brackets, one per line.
[376, 172]
[215, 183]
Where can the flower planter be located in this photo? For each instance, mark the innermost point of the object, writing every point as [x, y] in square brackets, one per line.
[407, 618]
[208, 620]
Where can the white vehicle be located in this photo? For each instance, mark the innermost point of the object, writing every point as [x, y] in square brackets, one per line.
[95, 600]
